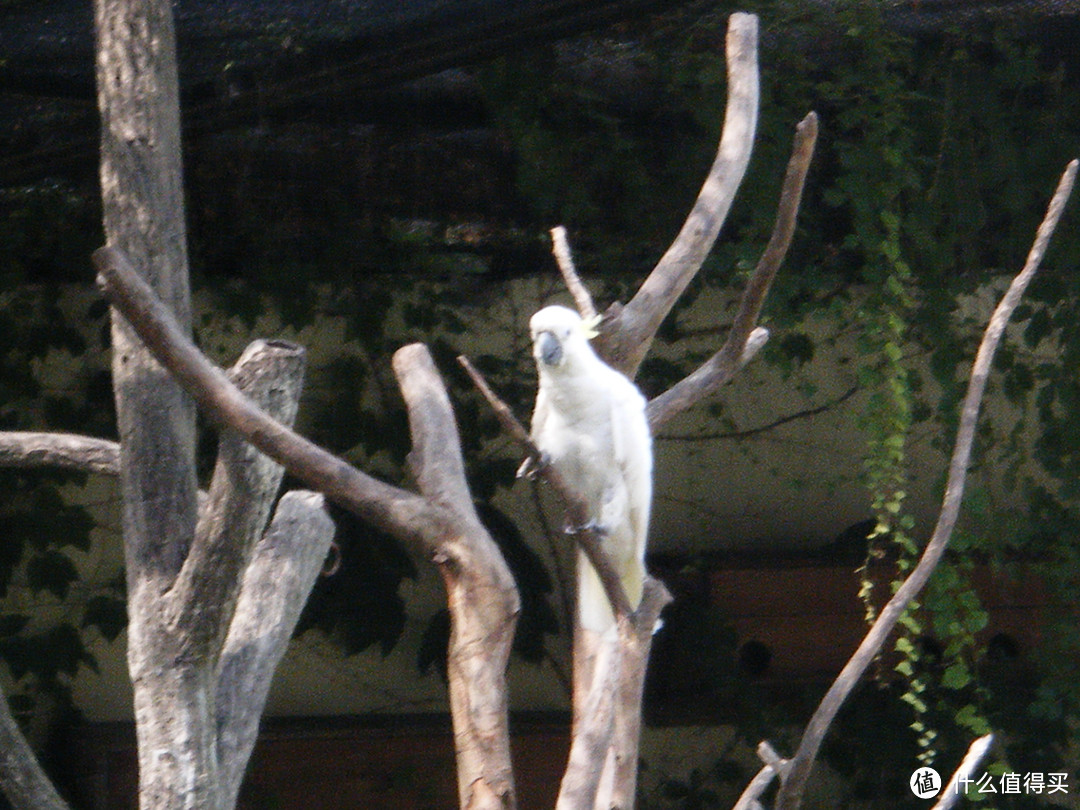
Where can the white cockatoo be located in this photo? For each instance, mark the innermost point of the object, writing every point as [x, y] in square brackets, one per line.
[589, 423]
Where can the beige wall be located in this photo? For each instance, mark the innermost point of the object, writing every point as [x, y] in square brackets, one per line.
[790, 487]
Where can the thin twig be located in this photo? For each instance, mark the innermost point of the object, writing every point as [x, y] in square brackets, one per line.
[754, 431]
[791, 789]
[587, 538]
[560, 247]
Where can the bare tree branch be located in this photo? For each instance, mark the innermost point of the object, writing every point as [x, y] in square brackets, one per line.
[577, 514]
[630, 329]
[275, 586]
[721, 367]
[242, 492]
[975, 753]
[405, 514]
[481, 593]
[806, 413]
[635, 645]
[773, 766]
[791, 790]
[560, 246]
[22, 779]
[64, 450]
[594, 726]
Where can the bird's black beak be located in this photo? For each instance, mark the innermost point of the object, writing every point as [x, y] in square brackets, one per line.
[549, 350]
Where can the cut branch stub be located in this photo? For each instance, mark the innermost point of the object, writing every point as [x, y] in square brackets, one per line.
[481, 593]
[241, 495]
[274, 588]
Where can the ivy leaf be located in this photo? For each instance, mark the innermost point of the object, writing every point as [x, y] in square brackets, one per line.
[956, 676]
[434, 644]
[51, 571]
[11, 551]
[108, 614]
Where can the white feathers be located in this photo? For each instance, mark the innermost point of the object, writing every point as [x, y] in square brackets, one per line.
[589, 421]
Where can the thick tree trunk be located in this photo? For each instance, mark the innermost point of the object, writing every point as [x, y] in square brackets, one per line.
[144, 216]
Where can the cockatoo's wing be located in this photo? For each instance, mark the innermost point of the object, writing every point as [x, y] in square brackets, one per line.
[632, 443]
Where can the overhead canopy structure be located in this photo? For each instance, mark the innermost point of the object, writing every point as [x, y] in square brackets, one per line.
[240, 59]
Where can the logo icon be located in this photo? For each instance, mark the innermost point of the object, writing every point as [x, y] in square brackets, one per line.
[925, 783]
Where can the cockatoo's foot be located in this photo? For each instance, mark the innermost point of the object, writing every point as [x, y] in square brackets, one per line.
[531, 467]
[582, 528]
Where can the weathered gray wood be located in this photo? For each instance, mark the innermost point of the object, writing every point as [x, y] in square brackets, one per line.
[635, 645]
[61, 450]
[276, 584]
[22, 780]
[241, 494]
[144, 215]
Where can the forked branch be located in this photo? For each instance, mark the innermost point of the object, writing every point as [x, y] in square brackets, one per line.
[630, 329]
[745, 337]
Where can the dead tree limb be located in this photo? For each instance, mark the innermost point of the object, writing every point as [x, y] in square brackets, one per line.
[143, 215]
[272, 593]
[560, 247]
[791, 790]
[773, 765]
[629, 329]
[635, 645]
[481, 594]
[745, 337]
[592, 732]
[975, 753]
[441, 522]
[242, 492]
[64, 451]
[22, 779]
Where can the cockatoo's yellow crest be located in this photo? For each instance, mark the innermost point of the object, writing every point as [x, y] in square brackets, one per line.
[591, 326]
